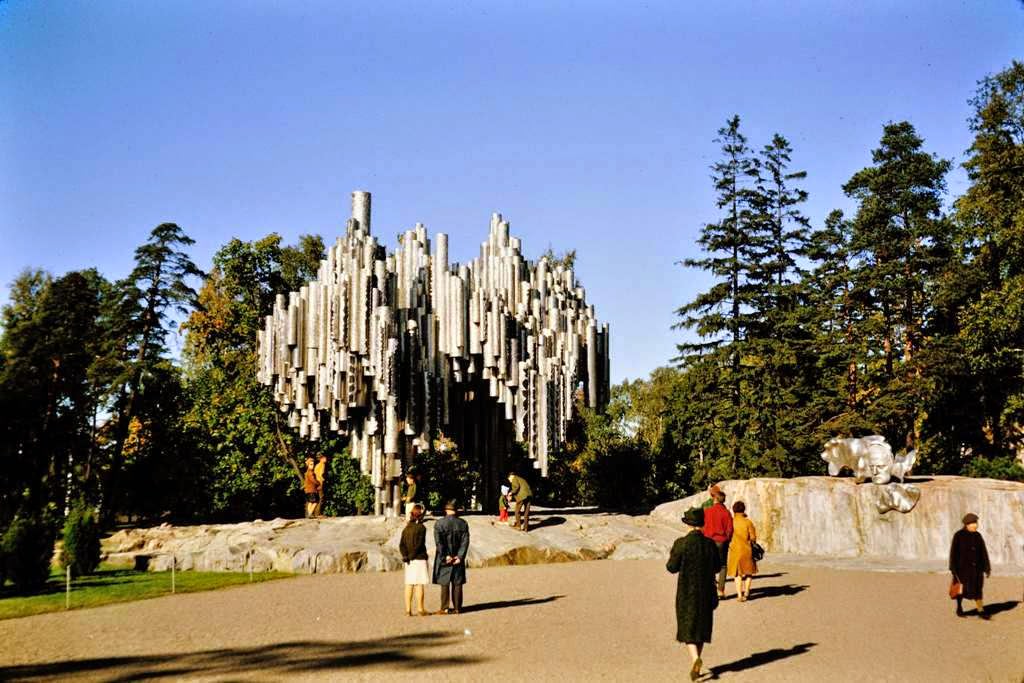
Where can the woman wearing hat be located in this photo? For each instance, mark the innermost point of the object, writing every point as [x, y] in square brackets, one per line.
[694, 558]
[968, 562]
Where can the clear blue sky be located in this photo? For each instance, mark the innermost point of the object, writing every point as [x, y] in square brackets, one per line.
[589, 125]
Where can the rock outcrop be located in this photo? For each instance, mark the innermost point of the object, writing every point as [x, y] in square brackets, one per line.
[353, 544]
[807, 516]
[839, 518]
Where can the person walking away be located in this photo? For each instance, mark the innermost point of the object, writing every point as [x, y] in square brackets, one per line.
[309, 488]
[320, 472]
[695, 558]
[413, 547]
[451, 543]
[409, 497]
[718, 527]
[713, 492]
[520, 492]
[968, 562]
[741, 564]
[503, 504]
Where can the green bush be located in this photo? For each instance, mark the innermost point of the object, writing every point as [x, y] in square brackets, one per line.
[347, 491]
[1003, 467]
[81, 541]
[27, 546]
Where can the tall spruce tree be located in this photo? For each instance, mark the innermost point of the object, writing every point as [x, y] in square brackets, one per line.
[990, 218]
[901, 240]
[722, 316]
[157, 289]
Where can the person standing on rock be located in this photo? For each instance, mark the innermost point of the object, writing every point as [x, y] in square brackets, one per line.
[695, 559]
[409, 498]
[451, 543]
[718, 527]
[522, 495]
[413, 547]
[968, 562]
[320, 472]
[741, 564]
[309, 488]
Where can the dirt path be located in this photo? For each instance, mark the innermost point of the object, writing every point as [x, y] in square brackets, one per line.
[601, 620]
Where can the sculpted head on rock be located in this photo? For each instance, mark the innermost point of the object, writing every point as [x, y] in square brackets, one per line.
[868, 457]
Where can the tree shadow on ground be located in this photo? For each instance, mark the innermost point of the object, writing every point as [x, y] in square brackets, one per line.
[272, 662]
[546, 521]
[775, 591]
[759, 659]
[104, 577]
[501, 604]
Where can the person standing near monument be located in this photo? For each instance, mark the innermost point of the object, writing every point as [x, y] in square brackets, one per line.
[968, 562]
[413, 547]
[521, 493]
[409, 497]
[451, 543]
[694, 558]
[320, 472]
[309, 488]
[718, 527]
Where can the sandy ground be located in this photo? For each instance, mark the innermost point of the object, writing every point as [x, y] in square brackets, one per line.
[599, 620]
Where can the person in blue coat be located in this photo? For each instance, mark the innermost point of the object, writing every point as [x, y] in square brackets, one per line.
[451, 541]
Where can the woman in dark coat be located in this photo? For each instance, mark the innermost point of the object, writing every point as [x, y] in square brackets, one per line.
[413, 547]
[695, 558]
[968, 562]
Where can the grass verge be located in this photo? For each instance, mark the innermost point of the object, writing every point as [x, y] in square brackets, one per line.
[117, 584]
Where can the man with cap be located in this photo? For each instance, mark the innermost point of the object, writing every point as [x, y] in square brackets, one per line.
[968, 562]
[713, 492]
[451, 541]
[718, 527]
[694, 558]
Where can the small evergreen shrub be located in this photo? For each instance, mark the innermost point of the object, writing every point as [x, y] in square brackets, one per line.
[27, 547]
[81, 541]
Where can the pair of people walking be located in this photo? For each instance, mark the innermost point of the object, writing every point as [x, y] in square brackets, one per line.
[451, 541]
[733, 535]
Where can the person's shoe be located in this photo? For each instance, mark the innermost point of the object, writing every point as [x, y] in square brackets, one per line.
[441, 612]
[408, 614]
[695, 669]
[959, 612]
[984, 615]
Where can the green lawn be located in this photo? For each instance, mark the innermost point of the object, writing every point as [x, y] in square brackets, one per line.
[117, 584]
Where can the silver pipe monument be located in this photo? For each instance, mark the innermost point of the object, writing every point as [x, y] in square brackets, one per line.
[393, 350]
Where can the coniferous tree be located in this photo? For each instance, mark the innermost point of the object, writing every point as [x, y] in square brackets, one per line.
[990, 217]
[901, 240]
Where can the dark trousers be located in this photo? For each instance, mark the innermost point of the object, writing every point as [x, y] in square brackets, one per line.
[523, 506]
[453, 593]
[723, 557]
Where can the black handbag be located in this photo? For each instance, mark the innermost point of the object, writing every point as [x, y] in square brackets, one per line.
[757, 551]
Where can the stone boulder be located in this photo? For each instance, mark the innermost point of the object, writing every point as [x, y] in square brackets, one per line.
[837, 517]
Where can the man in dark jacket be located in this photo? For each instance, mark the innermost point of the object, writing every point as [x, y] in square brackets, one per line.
[968, 562]
[451, 541]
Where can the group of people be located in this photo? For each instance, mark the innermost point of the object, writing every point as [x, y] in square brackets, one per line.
[718, 545]
[451, 541]
[313, 485]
